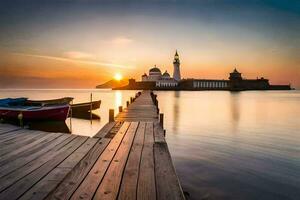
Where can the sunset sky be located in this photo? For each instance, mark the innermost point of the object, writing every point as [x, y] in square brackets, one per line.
[82, 43]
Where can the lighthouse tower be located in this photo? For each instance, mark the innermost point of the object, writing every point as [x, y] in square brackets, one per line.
[176, 63]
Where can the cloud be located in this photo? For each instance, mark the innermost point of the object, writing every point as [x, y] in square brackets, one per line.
[76, 61]
[122, 40]
[77, 55]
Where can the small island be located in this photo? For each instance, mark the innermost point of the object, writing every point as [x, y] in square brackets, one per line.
[114, 83]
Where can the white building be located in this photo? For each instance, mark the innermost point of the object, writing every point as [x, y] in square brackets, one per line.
[154, 74]
[164, 80]
[176, 64]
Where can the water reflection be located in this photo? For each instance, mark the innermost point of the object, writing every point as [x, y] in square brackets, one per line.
[50, 126]
[259, 161]
[47, 126]
[176, 111]
[234, 110]
[118, 99]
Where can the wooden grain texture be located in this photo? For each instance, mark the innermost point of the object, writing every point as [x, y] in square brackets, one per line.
[19, 139]
[158, 134]
[146, 183]
[76, 176]
[109, 187]
[142, 109]
[5, 128]
[32, 164]
[16, 163]
[41, 189]
[128, 188]
[27, 149]
[167, 183]
[18, 188]
[13, 145]
[10, 135]
[90, 184]
[104, 130]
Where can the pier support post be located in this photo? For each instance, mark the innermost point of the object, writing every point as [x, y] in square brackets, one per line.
[127, 104]
[131, 99]
[120, 108]
[161, 119]
[111, 115]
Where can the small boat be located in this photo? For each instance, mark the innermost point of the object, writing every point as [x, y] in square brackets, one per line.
[16, 109]
[64, 100]
[85, 107]
[76, 108]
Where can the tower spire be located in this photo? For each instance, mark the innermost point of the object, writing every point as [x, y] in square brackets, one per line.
[176, 63]
[176, 54]
[176, 57]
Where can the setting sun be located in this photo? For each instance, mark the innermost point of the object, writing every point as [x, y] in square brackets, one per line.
[118, 76]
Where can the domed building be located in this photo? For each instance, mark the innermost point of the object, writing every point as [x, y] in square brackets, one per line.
[164, 80]
[166, 75]
[154, 74]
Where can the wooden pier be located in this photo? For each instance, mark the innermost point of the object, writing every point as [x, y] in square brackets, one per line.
[127, 159]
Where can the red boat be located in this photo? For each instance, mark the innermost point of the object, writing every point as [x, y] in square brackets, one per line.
[35, 113]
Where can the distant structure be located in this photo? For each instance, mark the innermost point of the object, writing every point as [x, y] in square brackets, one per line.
[158, 81]
[164, 80]
[176, 64]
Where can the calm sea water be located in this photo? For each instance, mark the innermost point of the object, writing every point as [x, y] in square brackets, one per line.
[242, 145]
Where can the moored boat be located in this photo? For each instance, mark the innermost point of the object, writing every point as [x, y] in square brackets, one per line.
[35, 113]
[85, 107]
[16, 108]
[64, 100]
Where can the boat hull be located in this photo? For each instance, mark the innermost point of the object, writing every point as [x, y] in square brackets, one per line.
[85, 107]
[65, 100]
[45, 113]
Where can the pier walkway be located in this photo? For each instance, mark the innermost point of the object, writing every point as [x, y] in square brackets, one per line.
[127, 159]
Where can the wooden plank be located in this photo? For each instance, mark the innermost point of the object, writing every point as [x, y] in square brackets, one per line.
[73, 179]
[10, 135]
[14, 164]
[114, 130]
[167, 183]
[110, 184]
[9, 138]
[20, 144]
[89, 185]
[41, 189]
[22, 185]
[146, 183]
[27, 149]
[131, 173]
[158, 133]
[46, 186]
[73, 159]
[48, 153]
[5, 128]
[19, 141]
[107, 127]
[142, 109]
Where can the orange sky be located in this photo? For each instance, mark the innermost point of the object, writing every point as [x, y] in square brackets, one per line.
[80, 44]
[29, 70]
